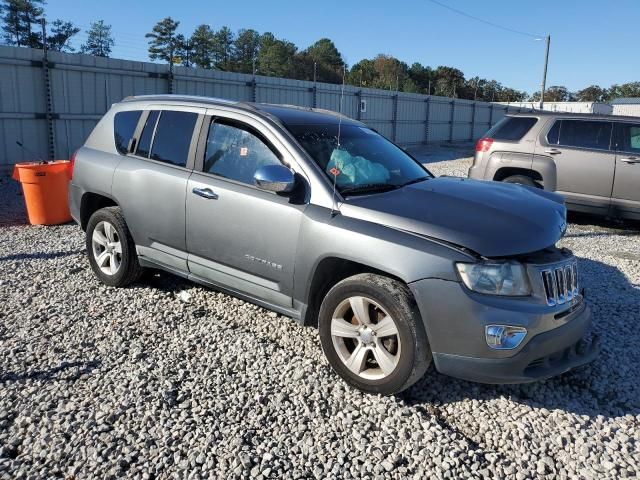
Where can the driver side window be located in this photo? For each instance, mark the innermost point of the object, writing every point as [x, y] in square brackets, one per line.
[235, 151]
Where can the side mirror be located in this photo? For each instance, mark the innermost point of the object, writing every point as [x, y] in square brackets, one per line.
[274, 178]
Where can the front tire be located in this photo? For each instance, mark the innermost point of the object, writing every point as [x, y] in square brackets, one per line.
[111, 249]
[372, 334]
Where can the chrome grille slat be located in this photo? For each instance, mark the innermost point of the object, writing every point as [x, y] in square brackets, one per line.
[560, 283]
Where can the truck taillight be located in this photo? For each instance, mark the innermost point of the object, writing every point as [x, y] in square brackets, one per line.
[484, 144]
[72, 163]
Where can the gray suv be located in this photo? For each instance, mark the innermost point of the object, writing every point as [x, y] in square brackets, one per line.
[593, 161]
[318, 217]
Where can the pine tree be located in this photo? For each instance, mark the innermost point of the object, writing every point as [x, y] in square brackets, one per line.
[61, 33]
[163, 43]
[99, 40]
[223, 48]
[245, 50]
[202, 42]
[21, 20]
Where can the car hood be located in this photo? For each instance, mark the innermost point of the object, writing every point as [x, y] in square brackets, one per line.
[492, 219]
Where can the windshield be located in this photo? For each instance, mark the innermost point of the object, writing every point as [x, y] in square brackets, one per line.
[364, 162]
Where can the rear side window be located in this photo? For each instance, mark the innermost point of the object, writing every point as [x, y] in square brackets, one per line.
[628, 137]
[173, 137]
[591, 134]
[144, 145]
[124, 126]
[512, 128]
[236, 152]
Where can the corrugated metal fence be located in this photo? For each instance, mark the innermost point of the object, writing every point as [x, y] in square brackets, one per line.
[82, 88]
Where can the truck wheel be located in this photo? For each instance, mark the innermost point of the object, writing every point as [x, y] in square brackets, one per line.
[372, 334]
[111, 250]
[522, 180]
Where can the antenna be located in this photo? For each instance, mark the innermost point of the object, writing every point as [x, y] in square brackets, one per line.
[334, 171]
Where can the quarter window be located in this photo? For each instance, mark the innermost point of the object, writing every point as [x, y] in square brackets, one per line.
[590, 134]
[628, 137]
[512, 128]
[236, 152]
[124, 126]
[173, 137]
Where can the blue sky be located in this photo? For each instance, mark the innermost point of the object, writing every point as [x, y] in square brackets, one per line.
[592, 42]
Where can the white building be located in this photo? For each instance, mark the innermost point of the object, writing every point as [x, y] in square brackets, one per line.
[626, 106]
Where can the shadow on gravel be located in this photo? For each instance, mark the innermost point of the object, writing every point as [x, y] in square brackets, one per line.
[610, 386]
[604, 226]
[70, 371]
[40, 255]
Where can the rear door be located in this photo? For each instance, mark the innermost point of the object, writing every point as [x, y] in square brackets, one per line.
[585, 162]
[238, 236]
[625, 199]
[151, 182]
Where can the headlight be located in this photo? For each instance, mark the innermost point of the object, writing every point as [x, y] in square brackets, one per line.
[500, 278]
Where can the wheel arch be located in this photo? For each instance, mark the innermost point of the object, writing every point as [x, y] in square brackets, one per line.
[329, 271]
[91, 203]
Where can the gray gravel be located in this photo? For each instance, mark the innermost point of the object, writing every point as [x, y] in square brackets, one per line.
[167, 379]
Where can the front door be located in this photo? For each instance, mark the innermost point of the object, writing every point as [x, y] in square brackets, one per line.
[585, 162]
[625, 199]
[238, 236]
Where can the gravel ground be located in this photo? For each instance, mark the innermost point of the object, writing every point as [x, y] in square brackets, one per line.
[167, 379]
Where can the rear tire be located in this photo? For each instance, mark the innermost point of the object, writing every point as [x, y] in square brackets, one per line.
[372, 334]
[111, 249]
[522, 180]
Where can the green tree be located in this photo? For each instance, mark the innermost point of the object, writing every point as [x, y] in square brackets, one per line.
[61, 33]
[99, 40]
[328, 61]
[162, 40]
[223, 48]
[422, 77]
[555, 93]
[184, 51]
[631, 89]
[362, 74]
[448, 81]
[276, 56]
[592, 93]
[20, 22]
[245, 50]
[202, 43]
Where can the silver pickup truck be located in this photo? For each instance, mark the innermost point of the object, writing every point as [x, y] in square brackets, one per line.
[318, 217]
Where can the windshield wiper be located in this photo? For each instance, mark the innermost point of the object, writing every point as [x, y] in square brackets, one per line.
[367, 188]
[415, 180]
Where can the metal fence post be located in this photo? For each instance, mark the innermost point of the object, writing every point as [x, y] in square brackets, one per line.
[491, 116]
[453, 116]
[254, 90]
[473, 121]
[358, 96]
[394, 125]
[427, 121]
[170, 78]
[51, 141]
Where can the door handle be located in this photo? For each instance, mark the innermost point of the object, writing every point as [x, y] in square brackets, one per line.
[630, 160]
[205, 193]
[552, 151]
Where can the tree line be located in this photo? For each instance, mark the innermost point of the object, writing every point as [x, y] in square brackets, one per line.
[248, 51]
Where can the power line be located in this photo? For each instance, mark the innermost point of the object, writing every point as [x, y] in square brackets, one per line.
[487, 22]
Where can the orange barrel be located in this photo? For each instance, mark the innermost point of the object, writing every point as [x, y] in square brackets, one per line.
[45, 187]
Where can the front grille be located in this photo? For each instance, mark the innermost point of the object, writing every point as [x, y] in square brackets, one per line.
[560, 283]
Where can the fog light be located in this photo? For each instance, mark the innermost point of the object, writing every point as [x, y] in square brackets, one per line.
[504, 337]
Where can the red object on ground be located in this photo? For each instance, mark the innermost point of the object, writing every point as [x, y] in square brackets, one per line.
[45, 187]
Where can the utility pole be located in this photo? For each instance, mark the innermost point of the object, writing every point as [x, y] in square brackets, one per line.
[544, 75]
